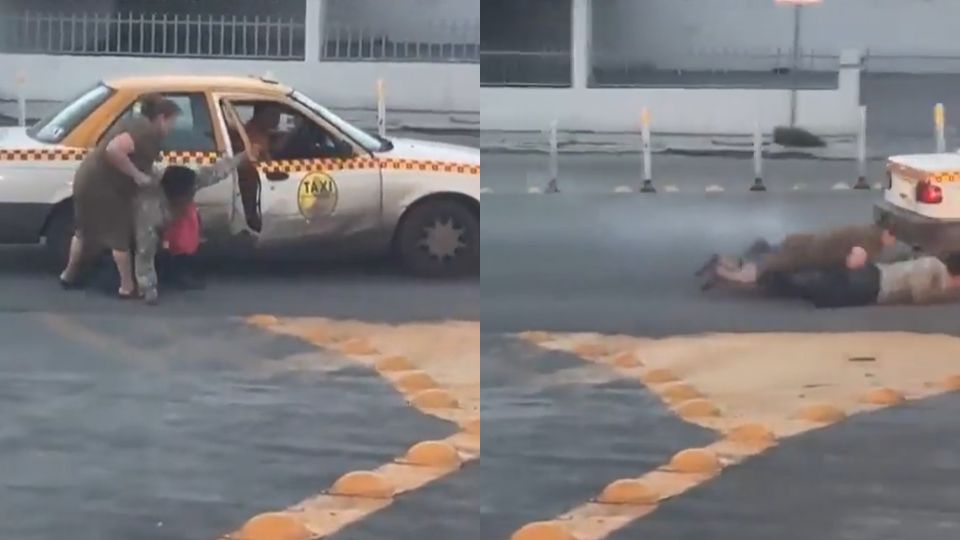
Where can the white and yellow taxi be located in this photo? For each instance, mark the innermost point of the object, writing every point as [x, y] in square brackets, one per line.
[330, 183]
[921, 202]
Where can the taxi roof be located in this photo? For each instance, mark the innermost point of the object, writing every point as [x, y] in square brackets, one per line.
[169, 83]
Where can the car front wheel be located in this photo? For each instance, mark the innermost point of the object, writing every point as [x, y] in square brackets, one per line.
[440, 238]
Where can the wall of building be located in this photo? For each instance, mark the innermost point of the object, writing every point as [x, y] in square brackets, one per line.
[450, 87]
[686, 33]
[703, 111]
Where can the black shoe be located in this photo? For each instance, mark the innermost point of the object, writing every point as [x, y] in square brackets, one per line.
[70, 285]
[759, 247]
[708, 266]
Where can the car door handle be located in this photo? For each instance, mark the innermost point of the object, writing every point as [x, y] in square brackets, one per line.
[277, 176]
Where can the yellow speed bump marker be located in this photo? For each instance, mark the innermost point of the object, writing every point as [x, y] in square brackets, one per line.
[543, 530]
[695, 461]
[883, 396]
[435, 398]
[264, 321]
[822, 413]
[698, 408]
[752, 435]
[679, 392]
[365, 484]
[274, 526]
[952, 383]
[658, 376]
[626, 360]
[628, 491]
[415, 381]
[390, 364]
[438, 454]
[590, 350]
[357, 346]
[536, 336]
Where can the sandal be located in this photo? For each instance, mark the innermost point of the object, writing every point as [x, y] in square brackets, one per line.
[133, 295]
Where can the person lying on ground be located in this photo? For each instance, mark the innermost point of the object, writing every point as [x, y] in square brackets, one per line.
[768, 264]
[167, 201]
[862, 282]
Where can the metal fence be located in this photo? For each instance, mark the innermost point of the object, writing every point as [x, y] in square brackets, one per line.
[202, 36]
[444, 41]
[223, 36]
[525, 68]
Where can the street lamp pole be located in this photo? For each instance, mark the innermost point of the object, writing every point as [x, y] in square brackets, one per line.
[795, 65]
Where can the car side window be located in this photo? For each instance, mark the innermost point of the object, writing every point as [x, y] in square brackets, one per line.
[193, 130]
[295, 136]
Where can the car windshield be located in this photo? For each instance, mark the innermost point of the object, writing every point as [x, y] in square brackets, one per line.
[55, 127]
[370, 142]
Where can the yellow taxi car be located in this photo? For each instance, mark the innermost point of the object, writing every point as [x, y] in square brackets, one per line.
[921, 202]
[324, 181]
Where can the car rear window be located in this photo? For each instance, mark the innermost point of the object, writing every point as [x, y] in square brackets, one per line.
[55, 127]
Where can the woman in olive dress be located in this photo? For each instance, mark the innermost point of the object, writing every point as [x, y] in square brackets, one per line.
[106, 183]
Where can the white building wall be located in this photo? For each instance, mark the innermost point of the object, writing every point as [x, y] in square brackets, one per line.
[684, 33]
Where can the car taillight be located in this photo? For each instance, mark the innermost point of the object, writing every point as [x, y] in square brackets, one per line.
[929, 193]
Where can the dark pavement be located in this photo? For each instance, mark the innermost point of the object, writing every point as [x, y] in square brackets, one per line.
[181, 422]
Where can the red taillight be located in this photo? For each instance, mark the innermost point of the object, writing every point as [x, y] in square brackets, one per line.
[928, 193]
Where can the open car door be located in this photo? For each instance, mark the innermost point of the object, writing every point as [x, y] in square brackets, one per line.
[238, 141]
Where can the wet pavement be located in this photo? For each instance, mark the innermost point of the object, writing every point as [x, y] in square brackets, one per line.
[182, 421]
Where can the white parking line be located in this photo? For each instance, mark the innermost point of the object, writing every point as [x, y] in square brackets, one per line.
[534, 190]
[671, 189]
[799, 187]
[714, 189]
[840, 186]
[878, 186]
[622, 189]
[485, 190]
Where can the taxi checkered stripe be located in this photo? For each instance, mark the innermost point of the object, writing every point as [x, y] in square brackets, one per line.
[77, 154]
[305, 165]
[916, 175]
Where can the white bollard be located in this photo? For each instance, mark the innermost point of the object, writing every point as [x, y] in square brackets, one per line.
[862, 151]
[554, 166]
[22, 98]
[939, 122]
[647, 152]
[757, 158]
[381, 108]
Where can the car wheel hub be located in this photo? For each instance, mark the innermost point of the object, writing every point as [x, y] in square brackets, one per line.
[442, 239]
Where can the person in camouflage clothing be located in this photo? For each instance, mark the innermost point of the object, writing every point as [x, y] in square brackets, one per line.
[160, 202]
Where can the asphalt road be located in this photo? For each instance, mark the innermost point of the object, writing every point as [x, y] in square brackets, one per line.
[181, 421]
[600, 173]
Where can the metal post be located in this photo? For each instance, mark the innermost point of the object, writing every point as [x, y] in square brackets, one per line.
[795, 65]
[647, 153]
[862, 151]
[381, 108]
[939, 121]
[757, 159]
[552, 185]
[22, 98]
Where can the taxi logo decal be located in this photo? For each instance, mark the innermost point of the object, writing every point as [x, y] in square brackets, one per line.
[317, 195]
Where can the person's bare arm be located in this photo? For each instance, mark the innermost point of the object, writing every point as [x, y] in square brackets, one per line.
[118, 154]
[219, 171]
